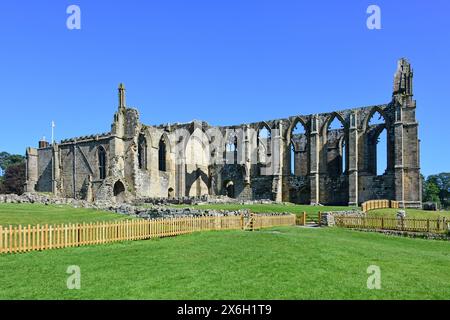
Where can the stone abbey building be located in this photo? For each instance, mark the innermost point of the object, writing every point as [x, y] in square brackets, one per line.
[300, 159]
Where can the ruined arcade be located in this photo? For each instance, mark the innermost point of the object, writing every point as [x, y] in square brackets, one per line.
[300, 159]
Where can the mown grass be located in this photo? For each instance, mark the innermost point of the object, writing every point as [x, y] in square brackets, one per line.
[21, 213]
[14, 214]
[277, 263]
[410, 213]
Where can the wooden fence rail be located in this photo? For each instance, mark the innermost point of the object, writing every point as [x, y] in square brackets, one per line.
[43, 237]
[301, 219]
[379, 204]
[440, 225]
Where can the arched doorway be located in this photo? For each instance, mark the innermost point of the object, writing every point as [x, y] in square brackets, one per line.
[119, 191]
[229, 188]
[171, 193]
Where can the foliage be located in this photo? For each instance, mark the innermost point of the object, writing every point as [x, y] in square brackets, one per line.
[437, 189]
[14, 179]
[7, 160]
[277, 263]
[12, 173]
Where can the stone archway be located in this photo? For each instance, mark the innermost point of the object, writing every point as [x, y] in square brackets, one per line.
[229, 188]
[119, 191]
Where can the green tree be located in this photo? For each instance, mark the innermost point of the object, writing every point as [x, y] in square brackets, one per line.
[14, 179]
[431, 191]
[11, 181]
[7, 160]
[442, 181]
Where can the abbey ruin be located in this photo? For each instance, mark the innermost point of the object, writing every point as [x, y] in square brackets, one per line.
[300, 159]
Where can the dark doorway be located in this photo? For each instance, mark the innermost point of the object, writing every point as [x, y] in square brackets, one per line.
[119, 191]
[229, 188]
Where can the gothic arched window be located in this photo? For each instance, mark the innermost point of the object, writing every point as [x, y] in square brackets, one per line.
[102, 163]
[142, 152]
[162, 155]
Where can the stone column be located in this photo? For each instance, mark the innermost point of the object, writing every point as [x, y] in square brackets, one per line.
[56, 176]
[31, 170]
[247, 162]
[74, 169]
[353, 161]
[277, 163]
[398, 163]
[314, 160]
[180, 178]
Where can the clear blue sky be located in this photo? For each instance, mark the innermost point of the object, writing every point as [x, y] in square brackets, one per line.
[223, 61]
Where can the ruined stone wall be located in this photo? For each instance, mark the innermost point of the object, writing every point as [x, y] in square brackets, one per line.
[44, 168]
[320, 165]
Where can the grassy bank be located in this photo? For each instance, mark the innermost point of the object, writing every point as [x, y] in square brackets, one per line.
[21, 213]
[277, 263]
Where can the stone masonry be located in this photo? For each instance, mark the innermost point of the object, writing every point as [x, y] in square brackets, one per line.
[318, 165]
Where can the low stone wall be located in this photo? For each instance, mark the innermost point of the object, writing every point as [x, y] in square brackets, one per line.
[199, 200]
[145, 212]
[422, 235]
[165, 201]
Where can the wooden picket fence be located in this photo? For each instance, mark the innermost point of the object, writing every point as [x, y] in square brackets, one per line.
[43, 237]
[301, 219]
[379, 204]
[440, 225]
[263, 221]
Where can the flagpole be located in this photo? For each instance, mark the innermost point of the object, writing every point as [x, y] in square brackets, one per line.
[53, 126]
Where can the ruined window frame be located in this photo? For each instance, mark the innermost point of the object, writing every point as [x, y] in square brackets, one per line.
[102, 160]
[162, 155]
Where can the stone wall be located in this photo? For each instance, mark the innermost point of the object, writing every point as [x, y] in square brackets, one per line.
[156, 210]
[330, 166]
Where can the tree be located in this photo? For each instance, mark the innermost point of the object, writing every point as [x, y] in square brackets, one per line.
[14, 179]
[12, 173]
[442, 182]
[432, 192]
[7, 160]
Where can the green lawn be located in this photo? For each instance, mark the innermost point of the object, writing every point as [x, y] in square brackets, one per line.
[265, 208]
[410, 213]
[21, 213]
[277, 263]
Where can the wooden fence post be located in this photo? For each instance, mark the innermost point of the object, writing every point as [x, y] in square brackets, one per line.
[304, 218]
[320, 218]
[1, 239]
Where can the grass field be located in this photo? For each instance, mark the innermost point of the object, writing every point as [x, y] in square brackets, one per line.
[410, 213]
[277, 263]
[14, 214]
